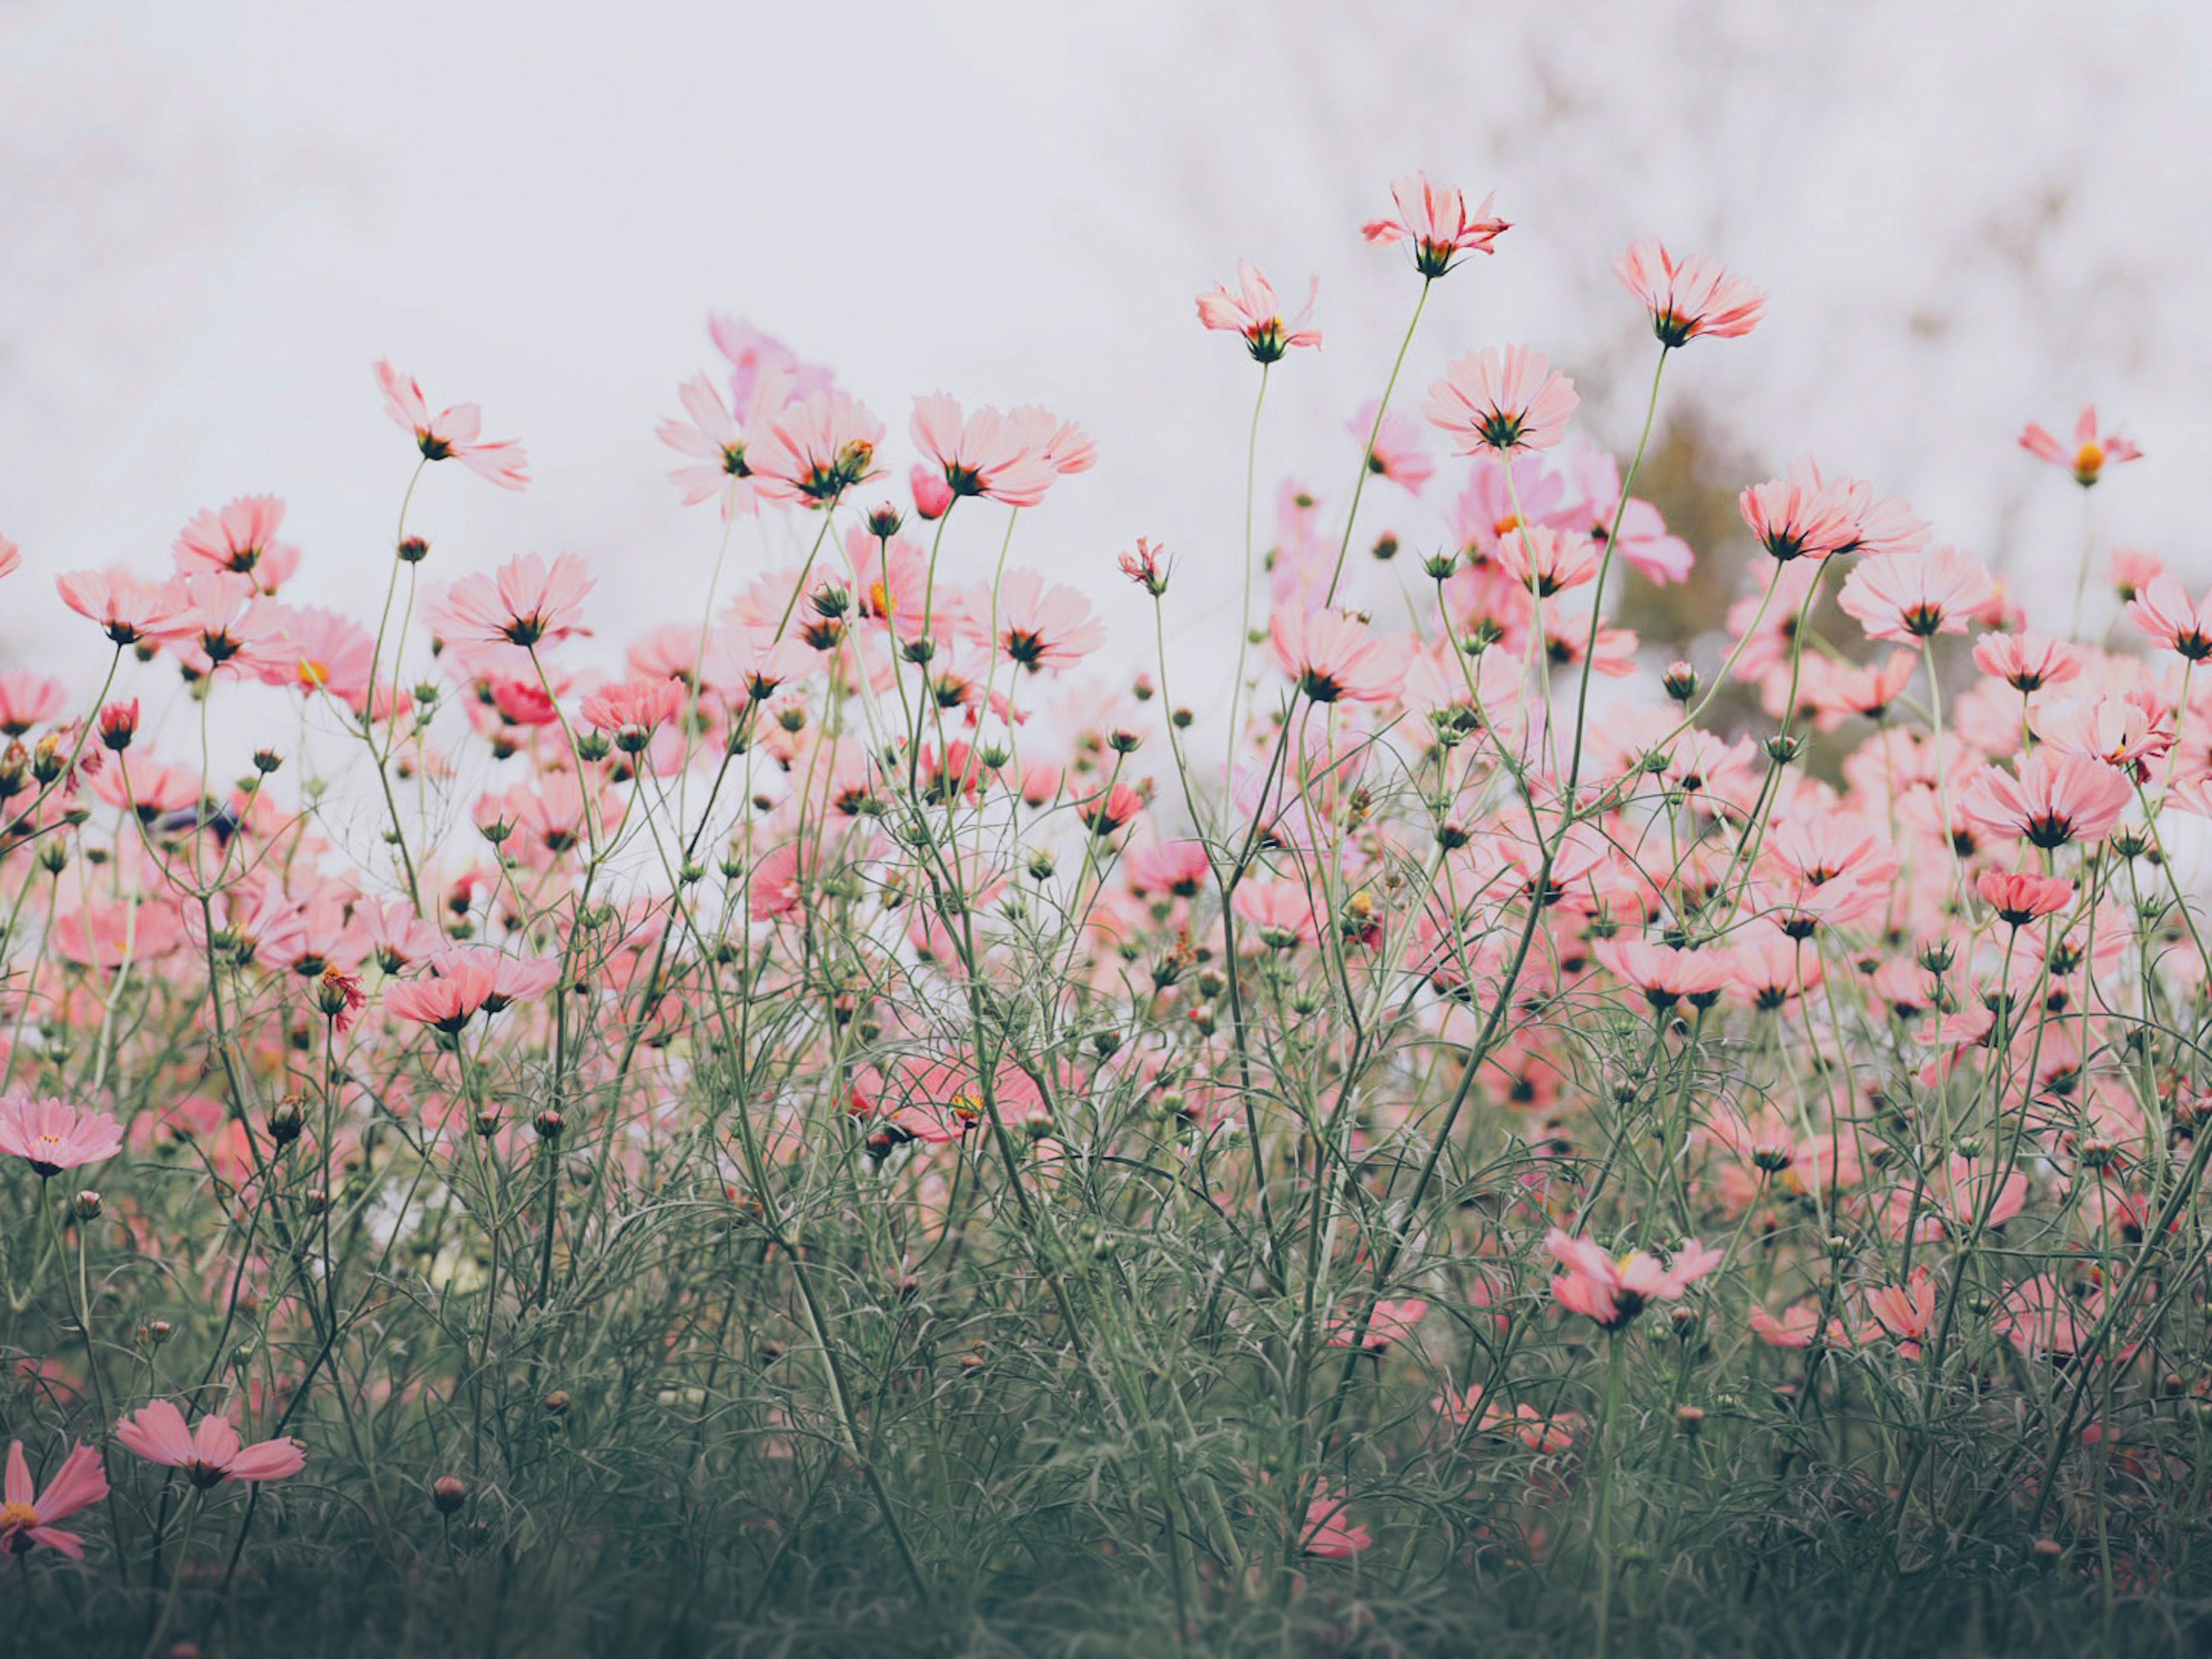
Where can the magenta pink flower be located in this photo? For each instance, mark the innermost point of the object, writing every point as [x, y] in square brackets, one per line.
[1254, 312]
[1688, 297]
[2072, 797]
[1612, 1290]
[1502, 402]
[1916, 596]
[209, 1454]
[1332, 656]
[528, 602]
[1435, 219]
[53, 1135]
[2090, 453]
[451, 434]
[28, 1516]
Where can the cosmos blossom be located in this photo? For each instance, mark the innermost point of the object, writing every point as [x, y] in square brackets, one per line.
[208, 1453]
[1612, 1291]
[1435, 219]
[1333, 656]
[239, 536]
[716, 438]
[27, 1515]
[528, 603]
[2051, 802]
[816, 450]
[451, 434]
[984, 453]
[1254, 312]
[1502, 402]
[1690, 296]
[51, 1135]
[2087, 456]
[1916, 596]
[2172, 621]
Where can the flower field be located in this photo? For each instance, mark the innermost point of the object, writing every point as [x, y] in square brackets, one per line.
[1430, 1119]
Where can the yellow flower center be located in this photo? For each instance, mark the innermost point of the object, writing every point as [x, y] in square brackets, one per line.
[2088, 461]
[17, 1514]
[313, 674]
[880, 600]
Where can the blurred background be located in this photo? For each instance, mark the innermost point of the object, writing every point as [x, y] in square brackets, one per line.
[219, 214]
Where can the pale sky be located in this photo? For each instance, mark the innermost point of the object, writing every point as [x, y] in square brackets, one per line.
[220, 214]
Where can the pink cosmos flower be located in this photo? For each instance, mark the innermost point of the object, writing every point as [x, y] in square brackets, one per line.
[1332, 656]
[1502, 402]
[1329, 1531]
[1612, 1291]
[1391, 1322]
[1435, 219]
[987, 454]
[630, 712]
[1040, 626]
[1916, 596]
[1549, 560]
[1806, 516]
[28, 1516]
[128, 609]
[528, 602]
[209, 1454]
[2133, 570]
[817, 449]
[1688, 297]
[1664, 974]
[717, 438]
[1906, 1311]
[27, 700]
[1396, 452]
[11, 557]
[52, 1135]
[2172, 620]
[2027, 661]
[2052, 801]
[452, 433]
[1254, 312]
[2090, 453]
[753, 355]
[240, 538]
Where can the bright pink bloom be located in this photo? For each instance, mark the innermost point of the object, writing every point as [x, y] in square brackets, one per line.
[1916, 596]
[528, 602]
[209, 1454]
[987, 454]
[1502, 402]
[240, 538]
[1688, 297]
[52, 1135]
[1435, 219]
[2072, 798]
[2090, 452]
[2172, 620]
[451, 434]
[1332, 656]
[1612, 1290]
[1254, 312]
[27, 1515]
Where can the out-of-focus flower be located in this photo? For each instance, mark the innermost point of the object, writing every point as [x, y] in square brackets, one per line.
[2090, 453]
[27, 1515]
[51, 1135]
[451, 434]
[1333, 656]
[1612, 1291]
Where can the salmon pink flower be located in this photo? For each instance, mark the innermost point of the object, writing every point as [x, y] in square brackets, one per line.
[1806, 516]
[1664, 974]
[128, 609]
[528, 603]
[51, 1135]
[1149, 567]
[1332, 656]
[1906, 1311]
[1435, 220]
[1549, 560]
[2027, 661]
[27, 1515]
[986, 454]
[1688, 297]
[209, 1454]
[1502, 402]
[2133, 570]
[717, 438]
[630, 712]
[2020, 898]
[1396, 452]
[1254, 312]
[27, 700]
[1328, 1532]
[1391, 1322]
[240, 538]
[2172, 620]
[451, 434]
[2090, 452]
[817, 450]
[1612, 1291]
[1917, 596]
[2072, 798]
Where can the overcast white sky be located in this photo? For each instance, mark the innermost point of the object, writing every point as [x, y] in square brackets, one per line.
[220, 212]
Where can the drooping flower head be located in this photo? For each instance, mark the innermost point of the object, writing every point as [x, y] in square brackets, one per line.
[1254, 312]
[1435, 220]
[1688, 297]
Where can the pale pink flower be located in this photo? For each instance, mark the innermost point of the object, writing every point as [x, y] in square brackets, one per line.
[1916, 596]
[51, 1135]
[239, 536]
[817, 449]
[630, 712]
[717, 438]
[1328, 1530]
[754, 354]
[2072, 797]
[2027, 661]
[451, 434]
[986, 454]
[1332, 656]
[129, 609]
[1396, 452]
[1806, 516]
[1906, 1311]
[28, 699]
[1663, 974]
[1549, 560]
[2088, 455]
[1502, 402]
[1040, 626]
[527, 603]
[11, 557]
[27, 1515]
[2172, 620]
[1688, 297]
[209, 1454]
[1435, 220]
[1254, 312]
[1612, 1291]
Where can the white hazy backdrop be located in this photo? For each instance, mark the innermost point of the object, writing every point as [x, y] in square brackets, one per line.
[219, 213]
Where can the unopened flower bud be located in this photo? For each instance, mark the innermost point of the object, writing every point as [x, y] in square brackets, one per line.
[550, 1124]
[88, 1205]
[287, 1118]
[1679, 681]
[449, 1492]
[413, 550]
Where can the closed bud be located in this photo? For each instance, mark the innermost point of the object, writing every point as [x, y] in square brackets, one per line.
[413, 550]
[449, 1492]
[88, 1205]
[287, 1118]
[1439, 566]
[1679, 681]
[550, 1124]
